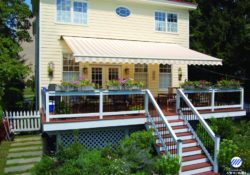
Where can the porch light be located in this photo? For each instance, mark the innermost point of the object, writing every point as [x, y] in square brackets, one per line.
[180, 74]
[85, 70]
[126, 71]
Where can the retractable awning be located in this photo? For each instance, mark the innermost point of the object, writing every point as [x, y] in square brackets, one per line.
[126, 51]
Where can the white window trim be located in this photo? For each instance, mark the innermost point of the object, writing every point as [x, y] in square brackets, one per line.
[71, 14]
[166, 23]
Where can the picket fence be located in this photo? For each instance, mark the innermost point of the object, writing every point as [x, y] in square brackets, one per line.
[23, 121]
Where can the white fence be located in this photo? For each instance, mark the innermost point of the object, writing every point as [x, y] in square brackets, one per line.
[24, 121]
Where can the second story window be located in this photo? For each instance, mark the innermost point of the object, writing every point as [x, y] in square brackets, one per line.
[72, 11]
[166, 22]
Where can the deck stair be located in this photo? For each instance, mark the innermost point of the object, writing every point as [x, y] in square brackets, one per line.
[194, 161]
[174, 135]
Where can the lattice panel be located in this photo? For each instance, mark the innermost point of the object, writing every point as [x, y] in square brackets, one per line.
[96, 138]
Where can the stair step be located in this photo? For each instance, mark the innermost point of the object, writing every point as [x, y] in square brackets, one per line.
[190, 168]
[193, 159]
[196, 166]
[207, 173]
[177, 129]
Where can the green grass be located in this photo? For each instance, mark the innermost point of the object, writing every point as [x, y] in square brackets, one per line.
[4, 149]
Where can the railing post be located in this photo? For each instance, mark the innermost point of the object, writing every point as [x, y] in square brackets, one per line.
[179, 152]
[216, 152]
[178, 101]
[242, 99]
[47, 106]
[101, 105]
[212, 99]
[146, 103]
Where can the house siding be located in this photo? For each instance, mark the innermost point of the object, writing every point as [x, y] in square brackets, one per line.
[104, 23]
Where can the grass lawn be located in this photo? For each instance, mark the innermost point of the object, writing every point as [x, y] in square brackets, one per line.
[4, 148]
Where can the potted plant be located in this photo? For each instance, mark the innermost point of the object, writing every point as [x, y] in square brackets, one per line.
[227, 84]
[196, 85]
[69, 86]
[131, 84]
[86, 85]
[114, 85]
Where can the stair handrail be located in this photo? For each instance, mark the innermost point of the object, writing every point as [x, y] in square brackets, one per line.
[210, 132]
[178, 142]
[162, 115]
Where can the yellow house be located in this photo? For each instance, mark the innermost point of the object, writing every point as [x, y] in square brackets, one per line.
[146, 40]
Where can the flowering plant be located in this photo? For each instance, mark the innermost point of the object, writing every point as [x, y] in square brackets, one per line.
[198, 85]
[228, 84]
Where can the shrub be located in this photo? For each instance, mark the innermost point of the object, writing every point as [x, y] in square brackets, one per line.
[45, 167]
[69, 168]
[167, 165]
[223, 127]
[228, 150]
[71, 152]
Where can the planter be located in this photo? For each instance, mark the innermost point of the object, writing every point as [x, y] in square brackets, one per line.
[67, 88]
[58, 88]
[86, 88]
[115, 88]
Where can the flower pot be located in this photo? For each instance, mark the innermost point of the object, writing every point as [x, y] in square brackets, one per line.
[85, 88]
[115, 88]
[67, 88]
[58, 88]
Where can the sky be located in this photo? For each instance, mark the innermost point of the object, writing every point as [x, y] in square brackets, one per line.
[28, 2]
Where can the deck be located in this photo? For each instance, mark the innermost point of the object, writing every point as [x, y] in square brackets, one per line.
[107, 109]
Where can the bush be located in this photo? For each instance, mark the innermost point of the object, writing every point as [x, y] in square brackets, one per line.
[167, 165]
[45, 167]
[228, 150]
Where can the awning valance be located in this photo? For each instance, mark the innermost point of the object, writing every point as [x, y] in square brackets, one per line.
[127, 51]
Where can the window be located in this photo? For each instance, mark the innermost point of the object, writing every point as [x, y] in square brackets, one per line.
[63, 10]
[70, 68]
[164, 76]
[172, 22]
[166, 22]
[113, 73]
[72, 11]
[122, 11]
[141, 73]
[97, 76]
[160, 21]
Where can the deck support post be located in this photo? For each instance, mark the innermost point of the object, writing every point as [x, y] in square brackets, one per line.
[178, 101]
[242, 98]
[47, 106]
[212, 99]
[216, 152]
[101, 105]
[179, 152]
[146, 104]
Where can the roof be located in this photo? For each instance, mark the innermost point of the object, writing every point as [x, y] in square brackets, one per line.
[100, 50]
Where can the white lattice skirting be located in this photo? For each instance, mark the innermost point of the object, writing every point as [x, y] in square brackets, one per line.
[96, 138]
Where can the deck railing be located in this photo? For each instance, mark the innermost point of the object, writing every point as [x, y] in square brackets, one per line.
[98, 103]
[162, 129]
[213, 99]
[209, 142]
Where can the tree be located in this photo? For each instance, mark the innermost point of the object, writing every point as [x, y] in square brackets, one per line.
[14, 25]
[222, 29]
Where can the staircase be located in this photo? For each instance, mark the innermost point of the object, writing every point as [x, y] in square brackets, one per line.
[194, 161]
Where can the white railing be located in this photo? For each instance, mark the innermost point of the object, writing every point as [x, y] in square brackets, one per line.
[89, 103]
[21, 121]
[210, 143]
[213, 99]
[156, 117]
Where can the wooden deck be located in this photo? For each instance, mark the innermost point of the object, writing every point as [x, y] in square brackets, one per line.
[167, 112]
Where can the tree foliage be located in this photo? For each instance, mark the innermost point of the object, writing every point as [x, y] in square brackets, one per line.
[14, 23]
[222, 29]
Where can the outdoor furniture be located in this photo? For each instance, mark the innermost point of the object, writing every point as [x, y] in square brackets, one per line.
[168, 99]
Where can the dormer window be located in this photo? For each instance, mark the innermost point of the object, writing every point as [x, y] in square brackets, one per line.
[166, 22]
[72, 11]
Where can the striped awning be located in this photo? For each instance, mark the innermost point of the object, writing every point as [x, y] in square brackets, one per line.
[126, 51]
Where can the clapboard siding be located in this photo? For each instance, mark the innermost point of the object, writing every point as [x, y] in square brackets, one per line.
[104, 23]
